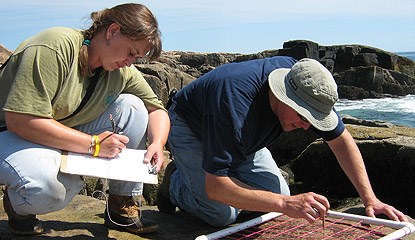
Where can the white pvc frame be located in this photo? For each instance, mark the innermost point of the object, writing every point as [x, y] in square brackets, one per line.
[402, 228]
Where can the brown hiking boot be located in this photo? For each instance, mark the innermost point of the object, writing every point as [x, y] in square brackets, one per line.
[125, 216]
[164, 203]
[27, 225]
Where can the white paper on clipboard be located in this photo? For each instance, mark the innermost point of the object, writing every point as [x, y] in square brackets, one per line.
[127, 166]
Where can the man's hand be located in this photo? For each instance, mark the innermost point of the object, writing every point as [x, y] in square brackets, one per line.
[310, 206]
[376, 207]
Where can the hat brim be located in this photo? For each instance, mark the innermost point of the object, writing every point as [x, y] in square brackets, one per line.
[280, 88]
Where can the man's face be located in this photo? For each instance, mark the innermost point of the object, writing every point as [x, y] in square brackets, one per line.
[288, 117]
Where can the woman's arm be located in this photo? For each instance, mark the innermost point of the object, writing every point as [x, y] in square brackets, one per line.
[158, 131]
[51, 133]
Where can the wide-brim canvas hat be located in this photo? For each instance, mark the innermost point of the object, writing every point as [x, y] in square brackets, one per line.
[309, 88]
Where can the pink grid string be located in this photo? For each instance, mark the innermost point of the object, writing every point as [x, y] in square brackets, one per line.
[254, 232]
[328, 224]
[373, 231]
[344, 229]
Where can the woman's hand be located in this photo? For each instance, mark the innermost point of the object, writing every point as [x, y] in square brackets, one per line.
[155, 155]
[158, 130]
[111, 144]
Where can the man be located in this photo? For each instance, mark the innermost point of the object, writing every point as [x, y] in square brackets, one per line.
[222, 124]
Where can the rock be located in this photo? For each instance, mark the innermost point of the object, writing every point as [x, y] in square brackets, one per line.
[83, 219]
[289, 145]
[300, 49]
[164, 78]
[389, 158]
[356, 121]
[373, 82]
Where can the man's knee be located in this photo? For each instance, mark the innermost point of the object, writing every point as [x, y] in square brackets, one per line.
[222, 217]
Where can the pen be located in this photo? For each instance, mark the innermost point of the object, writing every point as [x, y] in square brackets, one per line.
[112, 124]
[112, 121]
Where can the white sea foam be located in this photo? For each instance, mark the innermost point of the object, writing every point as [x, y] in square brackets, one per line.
[400, 111]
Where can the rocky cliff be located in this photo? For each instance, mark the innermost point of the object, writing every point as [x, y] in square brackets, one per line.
[360, 71]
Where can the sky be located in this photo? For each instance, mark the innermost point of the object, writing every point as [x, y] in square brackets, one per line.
[233, 26]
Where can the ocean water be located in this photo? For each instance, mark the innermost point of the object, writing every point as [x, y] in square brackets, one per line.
[399, 111]
[410, 55]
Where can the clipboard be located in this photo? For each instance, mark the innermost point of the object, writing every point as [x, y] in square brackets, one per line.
[127, 166]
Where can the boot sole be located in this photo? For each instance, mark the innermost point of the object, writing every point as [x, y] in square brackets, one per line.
[135, 230]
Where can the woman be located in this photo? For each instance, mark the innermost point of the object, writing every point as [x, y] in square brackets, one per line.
[50, 104]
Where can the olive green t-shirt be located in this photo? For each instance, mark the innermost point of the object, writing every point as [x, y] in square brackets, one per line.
[43, 79]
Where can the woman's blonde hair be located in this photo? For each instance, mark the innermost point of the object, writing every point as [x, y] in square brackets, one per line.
[136, 22]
